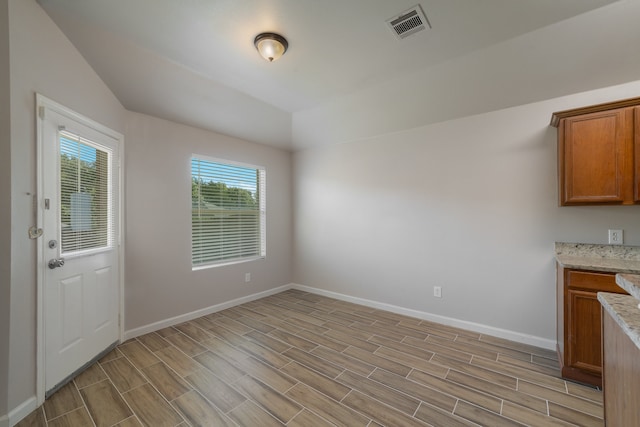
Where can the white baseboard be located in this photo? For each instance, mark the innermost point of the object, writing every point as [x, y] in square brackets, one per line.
[449, 321]
[132, 333]
[17, 414]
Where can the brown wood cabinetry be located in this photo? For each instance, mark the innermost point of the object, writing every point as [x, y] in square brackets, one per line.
[599, 154]
[621, 375]
[579, 323]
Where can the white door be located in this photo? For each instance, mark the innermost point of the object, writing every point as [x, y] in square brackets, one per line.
[79, 178]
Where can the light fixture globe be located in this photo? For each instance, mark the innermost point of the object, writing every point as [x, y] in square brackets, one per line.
[271, 46]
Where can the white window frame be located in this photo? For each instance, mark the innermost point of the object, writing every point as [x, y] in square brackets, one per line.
[262, 235]
[111, 238]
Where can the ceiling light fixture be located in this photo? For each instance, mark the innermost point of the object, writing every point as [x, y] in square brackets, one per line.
[271, 46]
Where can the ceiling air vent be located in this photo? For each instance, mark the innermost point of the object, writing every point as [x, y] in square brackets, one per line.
[409, 22]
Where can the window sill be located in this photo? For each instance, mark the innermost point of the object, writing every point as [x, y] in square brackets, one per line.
[225, 263]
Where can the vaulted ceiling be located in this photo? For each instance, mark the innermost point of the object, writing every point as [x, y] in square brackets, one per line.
[193, 61]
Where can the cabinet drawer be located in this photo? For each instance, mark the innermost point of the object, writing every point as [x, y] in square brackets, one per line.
[596, 282]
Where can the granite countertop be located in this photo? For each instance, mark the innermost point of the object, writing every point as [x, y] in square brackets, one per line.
[624, 309]
[608, 258]
[630, 283]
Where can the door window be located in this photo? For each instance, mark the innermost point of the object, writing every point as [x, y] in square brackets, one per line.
[86, 217]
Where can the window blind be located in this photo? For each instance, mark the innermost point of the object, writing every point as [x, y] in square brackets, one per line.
[228, 212]
[86, 218]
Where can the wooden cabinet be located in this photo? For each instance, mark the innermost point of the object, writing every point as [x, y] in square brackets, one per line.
[579, 323]
[621, 375]
[599, 154]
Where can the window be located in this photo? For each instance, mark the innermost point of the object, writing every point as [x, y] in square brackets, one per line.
[228, 212]
[86, 208]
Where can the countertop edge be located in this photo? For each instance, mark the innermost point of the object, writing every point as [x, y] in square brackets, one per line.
[630, 283]
[593, 250]
[607, 265]
[625, 311]
[597, 257]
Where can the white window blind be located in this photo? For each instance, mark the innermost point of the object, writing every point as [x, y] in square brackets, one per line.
[228, 211]
[86, 212]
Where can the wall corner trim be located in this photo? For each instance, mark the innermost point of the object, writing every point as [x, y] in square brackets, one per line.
[20, 412]
[449, 321]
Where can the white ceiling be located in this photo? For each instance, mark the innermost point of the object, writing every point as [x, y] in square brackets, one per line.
[193, 61]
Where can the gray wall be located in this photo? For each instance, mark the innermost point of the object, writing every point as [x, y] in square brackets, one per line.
[41, 60]
[159, 280]
[469, 205]
[5, 206]
[158, 285]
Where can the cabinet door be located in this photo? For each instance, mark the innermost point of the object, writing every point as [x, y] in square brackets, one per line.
[580, 351]
[584, 349]
[585, 333]
[595, 158]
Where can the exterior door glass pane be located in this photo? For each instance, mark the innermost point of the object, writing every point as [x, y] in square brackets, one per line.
[85, 205]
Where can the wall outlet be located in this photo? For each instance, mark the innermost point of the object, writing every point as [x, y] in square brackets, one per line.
[437, 291]
[247, 277]
[616, 237]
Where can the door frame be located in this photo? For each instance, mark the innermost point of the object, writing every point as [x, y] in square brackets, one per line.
[44, 104]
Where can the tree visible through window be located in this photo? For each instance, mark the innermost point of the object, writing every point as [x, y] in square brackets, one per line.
[228, 212]
[85, 205]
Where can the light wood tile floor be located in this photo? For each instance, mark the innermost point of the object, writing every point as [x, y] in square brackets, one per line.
[299, 359]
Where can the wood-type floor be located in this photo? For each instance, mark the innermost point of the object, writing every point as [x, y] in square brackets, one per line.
[302, 360]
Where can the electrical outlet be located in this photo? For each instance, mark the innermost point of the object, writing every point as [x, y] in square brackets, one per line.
[247, 277]
[616, 237]
[437, 291]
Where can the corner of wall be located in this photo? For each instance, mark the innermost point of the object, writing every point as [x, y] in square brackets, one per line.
[136, 332]
[5, 210]
[19, 413]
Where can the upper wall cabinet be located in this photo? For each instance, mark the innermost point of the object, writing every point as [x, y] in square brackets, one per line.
[599, 154]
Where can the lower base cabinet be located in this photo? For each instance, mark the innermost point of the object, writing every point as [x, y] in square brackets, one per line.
[579, 322]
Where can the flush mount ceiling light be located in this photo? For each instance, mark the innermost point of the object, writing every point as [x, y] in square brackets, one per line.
[271, 46]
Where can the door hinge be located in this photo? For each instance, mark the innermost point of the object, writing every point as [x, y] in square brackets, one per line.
[41, 112]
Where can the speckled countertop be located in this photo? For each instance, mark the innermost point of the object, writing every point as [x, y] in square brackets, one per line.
[610, 258]
[624, 309]
[630, 283]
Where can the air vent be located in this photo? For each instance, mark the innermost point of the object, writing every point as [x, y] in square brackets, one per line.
[409, 22]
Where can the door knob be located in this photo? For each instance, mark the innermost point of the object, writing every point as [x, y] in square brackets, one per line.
[55, 263]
